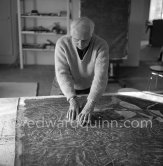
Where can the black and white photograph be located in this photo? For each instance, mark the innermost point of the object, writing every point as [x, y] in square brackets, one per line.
[81, 82]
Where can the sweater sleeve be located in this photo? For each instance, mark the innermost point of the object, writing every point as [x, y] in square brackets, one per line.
[62, 71]
[100, 79]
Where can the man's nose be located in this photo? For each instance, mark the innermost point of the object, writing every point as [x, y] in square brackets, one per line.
[80, 42]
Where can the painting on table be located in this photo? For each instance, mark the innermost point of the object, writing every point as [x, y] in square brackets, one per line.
[123, 131]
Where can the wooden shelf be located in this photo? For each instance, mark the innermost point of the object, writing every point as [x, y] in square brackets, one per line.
[44, 17]
[61, 17]
[41, 33]
[37, 49]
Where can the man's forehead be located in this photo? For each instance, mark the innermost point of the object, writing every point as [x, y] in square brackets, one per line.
[81, 34]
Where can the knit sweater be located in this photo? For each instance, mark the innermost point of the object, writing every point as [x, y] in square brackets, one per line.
[90, 72]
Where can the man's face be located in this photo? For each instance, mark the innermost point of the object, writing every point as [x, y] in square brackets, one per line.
[81, 38]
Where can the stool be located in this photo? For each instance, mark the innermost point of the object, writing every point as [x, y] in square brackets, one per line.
[156, 71]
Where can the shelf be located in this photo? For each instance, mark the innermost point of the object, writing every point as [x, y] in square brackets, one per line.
[41, 33]
[35, 29]
[44, 17]
[37, 49]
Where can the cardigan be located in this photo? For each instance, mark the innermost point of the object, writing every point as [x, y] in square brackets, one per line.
[90, 72]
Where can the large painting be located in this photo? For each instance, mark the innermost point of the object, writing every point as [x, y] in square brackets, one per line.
[123, 131]
[111, 18]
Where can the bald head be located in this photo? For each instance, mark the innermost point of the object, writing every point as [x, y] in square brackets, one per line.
[82, 30]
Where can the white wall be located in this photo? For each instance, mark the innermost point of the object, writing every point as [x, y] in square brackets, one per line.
[75, 8]
[135, 32]
[145, 36]
[8, 40]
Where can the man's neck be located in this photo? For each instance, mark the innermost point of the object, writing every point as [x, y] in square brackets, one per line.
[82, 52]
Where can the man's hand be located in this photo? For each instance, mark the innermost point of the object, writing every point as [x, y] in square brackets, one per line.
[85, 116]
[73, 109]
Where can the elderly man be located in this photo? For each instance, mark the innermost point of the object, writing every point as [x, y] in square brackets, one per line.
[81, 66]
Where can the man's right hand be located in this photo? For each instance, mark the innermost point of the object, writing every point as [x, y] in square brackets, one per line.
[73, 109]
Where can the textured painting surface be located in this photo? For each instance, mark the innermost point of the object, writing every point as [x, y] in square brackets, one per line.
[123, 131]
[111, 18]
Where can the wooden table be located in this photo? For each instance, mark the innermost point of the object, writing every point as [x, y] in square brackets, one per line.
[8, 110]
[8, 114]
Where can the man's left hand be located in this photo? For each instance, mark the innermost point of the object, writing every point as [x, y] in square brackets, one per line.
[85, 116]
